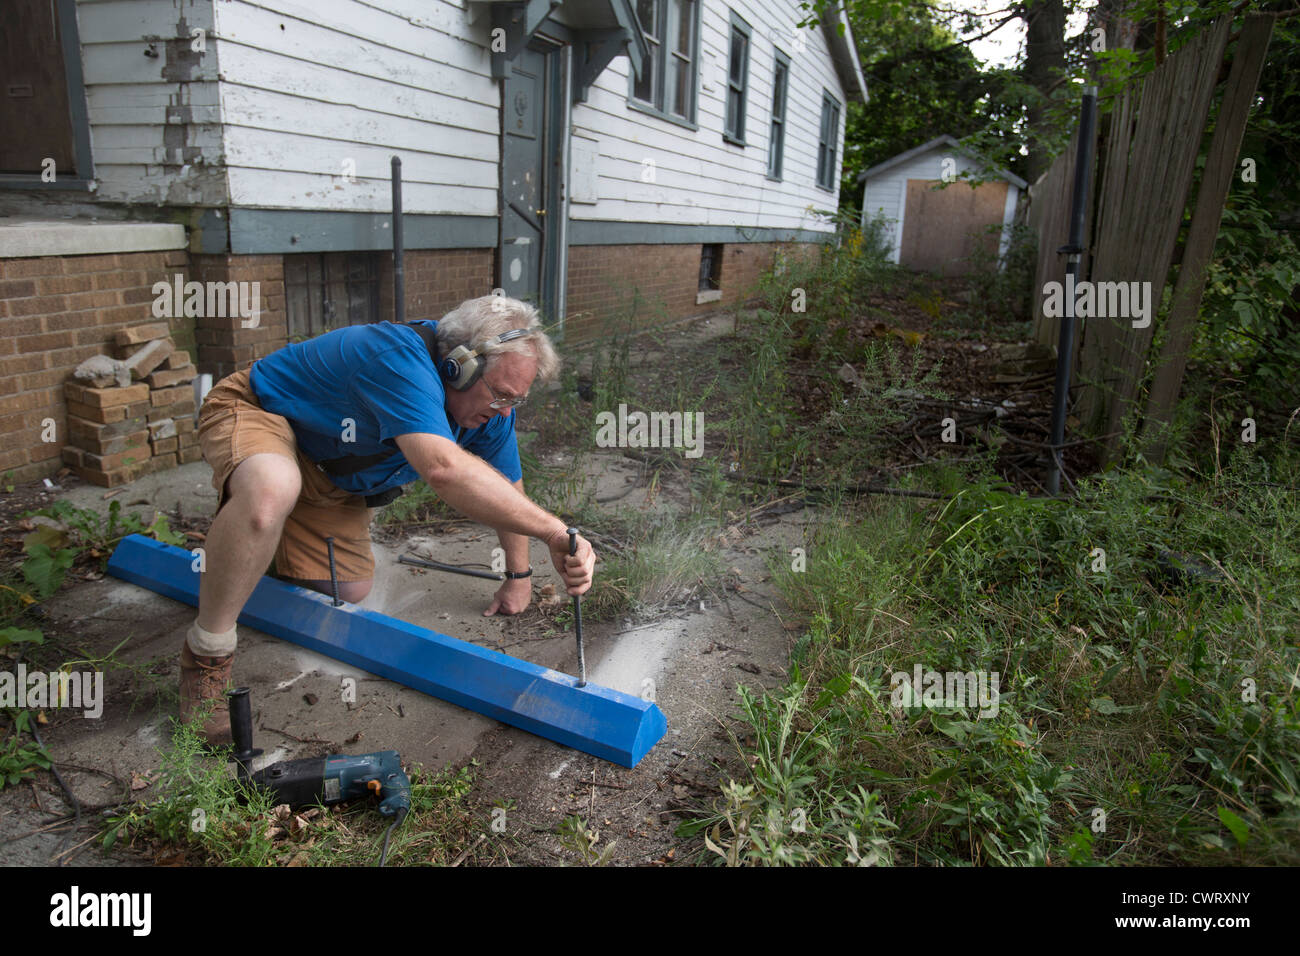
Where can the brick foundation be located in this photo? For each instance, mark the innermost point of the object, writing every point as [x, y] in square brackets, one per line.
[224, 345]
[437, 280]
[639, 286]
[56, 312]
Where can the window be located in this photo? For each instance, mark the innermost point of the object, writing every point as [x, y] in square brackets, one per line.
[649, 12]
[667, 82]
[776, 138]
[829, 137]
[737, 81]
[710, 268]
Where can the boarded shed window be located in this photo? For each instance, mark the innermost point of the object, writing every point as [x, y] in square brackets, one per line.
[951, 228]
[328, 290]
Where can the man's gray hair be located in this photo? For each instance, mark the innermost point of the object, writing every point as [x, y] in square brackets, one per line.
[477, 320]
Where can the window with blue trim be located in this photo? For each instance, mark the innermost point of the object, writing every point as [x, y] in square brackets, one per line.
[667, 84]
[737, 80]
[827, 142]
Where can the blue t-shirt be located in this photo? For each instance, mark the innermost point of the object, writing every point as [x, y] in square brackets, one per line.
[381, 378]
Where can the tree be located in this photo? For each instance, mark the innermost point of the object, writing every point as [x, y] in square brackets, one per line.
[923, 80]
[921, 84]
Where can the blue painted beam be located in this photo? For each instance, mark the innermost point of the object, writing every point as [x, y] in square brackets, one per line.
[606, 723]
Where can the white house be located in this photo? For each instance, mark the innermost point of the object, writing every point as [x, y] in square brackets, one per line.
[547, 142]
[933, 219]
[598, 156]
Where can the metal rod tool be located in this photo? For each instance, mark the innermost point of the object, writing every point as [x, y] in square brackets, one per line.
[577, 615]
[420, 563]
[334, 577]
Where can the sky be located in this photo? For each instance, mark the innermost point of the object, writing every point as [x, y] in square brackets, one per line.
[1002, 47]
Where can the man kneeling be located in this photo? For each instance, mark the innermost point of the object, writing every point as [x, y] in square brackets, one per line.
[309, 439]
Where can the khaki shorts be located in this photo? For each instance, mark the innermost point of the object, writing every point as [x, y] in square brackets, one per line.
[232, 427]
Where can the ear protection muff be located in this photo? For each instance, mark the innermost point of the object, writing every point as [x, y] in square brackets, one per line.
[463, 367]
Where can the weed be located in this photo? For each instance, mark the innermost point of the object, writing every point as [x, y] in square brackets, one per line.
[54, 548]
[819, 397]
[419, 505]
[798, 809]
[200, 806]
[1000, 285]
[575, 837]
[18, 759]
[672, 562]
[18, 635]
[1138, 723]
[146, 678]
[202, 809]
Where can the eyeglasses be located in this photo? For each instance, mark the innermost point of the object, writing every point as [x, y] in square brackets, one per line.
[503, 402]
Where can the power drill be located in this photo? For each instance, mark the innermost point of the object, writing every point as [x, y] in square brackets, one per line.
[324, 780]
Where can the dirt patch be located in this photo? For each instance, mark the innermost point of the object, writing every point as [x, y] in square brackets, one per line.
[693, 662]
[695, 655]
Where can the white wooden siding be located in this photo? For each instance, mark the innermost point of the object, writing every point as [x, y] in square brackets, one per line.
[127, 100]
[289, 90]
[698, 178]
[360, 81]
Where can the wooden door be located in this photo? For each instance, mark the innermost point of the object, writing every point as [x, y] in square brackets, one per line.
[943, 228]
[532, 162]
[35, 120]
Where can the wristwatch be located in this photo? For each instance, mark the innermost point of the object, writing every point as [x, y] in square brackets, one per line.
[515, 575]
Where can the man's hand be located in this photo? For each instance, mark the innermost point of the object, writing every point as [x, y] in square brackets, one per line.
[512, 597]
[576, 569]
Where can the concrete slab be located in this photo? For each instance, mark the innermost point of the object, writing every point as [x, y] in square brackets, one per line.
[32, 236]
[189, 486]
[695, 660]
[592, 718]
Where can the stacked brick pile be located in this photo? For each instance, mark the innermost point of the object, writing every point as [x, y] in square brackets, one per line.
[118, 432]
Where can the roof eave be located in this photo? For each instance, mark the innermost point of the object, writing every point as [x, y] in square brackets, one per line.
[844, 54]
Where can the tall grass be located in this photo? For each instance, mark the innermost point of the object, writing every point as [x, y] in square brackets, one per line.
[1148, 709]
[1141, 720]
[818, 396]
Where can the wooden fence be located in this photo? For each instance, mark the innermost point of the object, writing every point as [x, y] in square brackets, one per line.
[1144, 176]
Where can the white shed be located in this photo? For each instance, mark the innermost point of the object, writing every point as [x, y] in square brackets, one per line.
[935, 219]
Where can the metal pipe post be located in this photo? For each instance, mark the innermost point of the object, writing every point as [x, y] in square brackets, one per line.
[399, 272]
[1074, 250]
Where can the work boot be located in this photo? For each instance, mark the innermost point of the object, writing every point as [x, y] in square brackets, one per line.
[205, 679]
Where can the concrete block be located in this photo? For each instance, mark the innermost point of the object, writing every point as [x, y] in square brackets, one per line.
[105, 397]
[163, 378]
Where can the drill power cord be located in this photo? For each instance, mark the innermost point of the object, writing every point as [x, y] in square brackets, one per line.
[397, 821]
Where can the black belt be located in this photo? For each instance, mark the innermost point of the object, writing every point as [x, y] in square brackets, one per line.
[351, 464]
